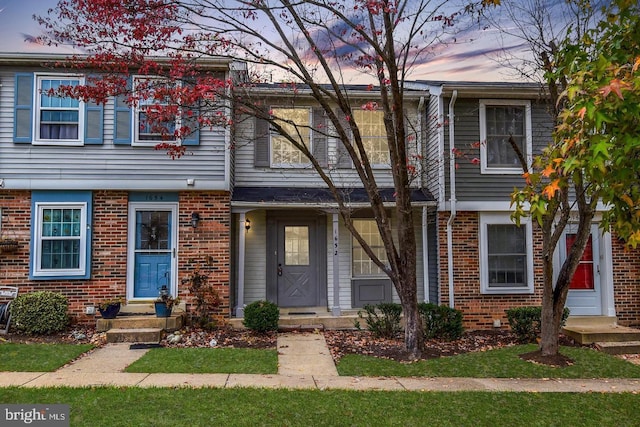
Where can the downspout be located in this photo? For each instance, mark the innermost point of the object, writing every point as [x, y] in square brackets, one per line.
[424, 222]
[425, 253]
[452, 199]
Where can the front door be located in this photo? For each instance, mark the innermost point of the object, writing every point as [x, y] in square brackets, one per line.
[298, 262]
[585, 291]
[151, 250]
[297, 286]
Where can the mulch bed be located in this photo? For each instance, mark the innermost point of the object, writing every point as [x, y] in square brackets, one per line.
[363, 342]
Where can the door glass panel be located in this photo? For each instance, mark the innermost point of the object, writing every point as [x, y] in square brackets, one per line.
[583, 277]
[296, 245]
[152, 230]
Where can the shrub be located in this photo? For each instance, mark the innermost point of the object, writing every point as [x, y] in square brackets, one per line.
[206, 300]
[525, 322]
[40, 313]
[440, 321]
[261, 316]
[383, 320]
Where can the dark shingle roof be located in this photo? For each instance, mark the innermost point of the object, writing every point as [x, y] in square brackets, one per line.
[317, 195]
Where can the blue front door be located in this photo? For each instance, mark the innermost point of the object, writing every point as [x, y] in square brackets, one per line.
[152, 253]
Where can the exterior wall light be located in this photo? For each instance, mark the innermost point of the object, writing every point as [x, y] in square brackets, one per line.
[247, 224]
[195, 218]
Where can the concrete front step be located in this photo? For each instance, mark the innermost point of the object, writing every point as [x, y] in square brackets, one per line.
[172, 323]
[591, 321]
[609, 334]
[628, 347]
[307, 322]
[139, 335]
[612, 334]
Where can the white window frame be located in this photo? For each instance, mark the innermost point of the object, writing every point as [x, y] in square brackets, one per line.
[355, 243]
[37, 107]
[140, 108]
[387, 163]
[484, 103]
[495, 218]
[38, 271]
[272, 134]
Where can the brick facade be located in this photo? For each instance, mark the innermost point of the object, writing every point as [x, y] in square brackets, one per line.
[626, 283]
[480, 310]
[206, 248]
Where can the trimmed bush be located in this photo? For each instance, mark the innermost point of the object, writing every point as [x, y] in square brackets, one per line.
[40, 313]
[261, 316]
[525, 322]
[383, 320]
[440, 321]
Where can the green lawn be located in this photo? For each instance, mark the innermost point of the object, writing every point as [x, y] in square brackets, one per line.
[38, 357]
[207, 360]
[500, 363]
[264, 407]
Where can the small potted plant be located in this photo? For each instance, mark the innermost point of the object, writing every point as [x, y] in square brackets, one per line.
[110, 308]
[165, 302]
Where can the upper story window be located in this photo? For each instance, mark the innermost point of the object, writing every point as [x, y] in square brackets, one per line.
[506, 255]
[155, 119]
[374, 137]
[58, 119]
[499, 121]
[296, 122]
[362, 265]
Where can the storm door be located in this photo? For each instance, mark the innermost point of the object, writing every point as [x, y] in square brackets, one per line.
[585, 294]
[152, 242]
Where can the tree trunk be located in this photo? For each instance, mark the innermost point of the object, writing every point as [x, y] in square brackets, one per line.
[413, 331]
[554, 297]
[550, 324]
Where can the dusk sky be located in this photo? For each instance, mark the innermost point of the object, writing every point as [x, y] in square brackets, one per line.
[468, 60]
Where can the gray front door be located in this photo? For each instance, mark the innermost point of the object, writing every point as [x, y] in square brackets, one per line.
[297, 286]
[298, 263]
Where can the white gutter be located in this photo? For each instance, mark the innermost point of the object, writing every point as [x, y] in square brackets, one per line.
[452, 200]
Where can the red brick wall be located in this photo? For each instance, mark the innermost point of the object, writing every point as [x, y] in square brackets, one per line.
[207, 247]
[626, 280]
[480, 310]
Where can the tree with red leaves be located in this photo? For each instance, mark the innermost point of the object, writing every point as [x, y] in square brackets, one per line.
[314, 44]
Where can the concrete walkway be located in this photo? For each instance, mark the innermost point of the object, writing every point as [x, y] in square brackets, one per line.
[304, 354]
[304, 362]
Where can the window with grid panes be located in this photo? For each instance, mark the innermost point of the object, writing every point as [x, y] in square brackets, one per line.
[297, 123]
[362, 265]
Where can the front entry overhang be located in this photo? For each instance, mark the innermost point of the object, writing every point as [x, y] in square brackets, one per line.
[247, 199]
[243, 197]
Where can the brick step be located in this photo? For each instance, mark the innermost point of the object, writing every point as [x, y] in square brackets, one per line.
[174, 322]
[628, 347]
[139, 335]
